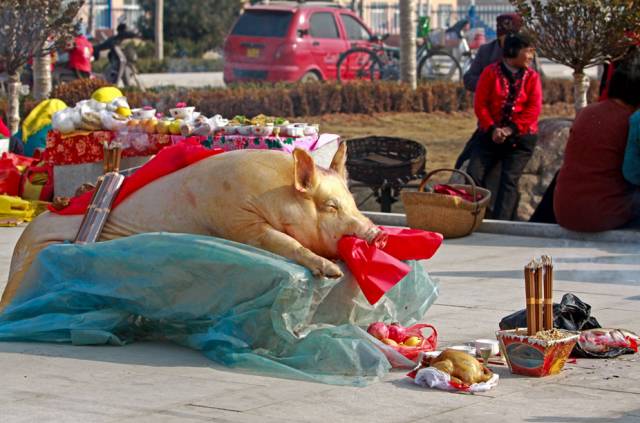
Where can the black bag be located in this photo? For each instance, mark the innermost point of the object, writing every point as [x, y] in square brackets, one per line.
[571, 314]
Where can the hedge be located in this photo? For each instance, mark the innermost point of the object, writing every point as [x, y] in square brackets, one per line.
[307, 99]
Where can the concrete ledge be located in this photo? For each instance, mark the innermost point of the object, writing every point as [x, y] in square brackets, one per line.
[537, 230]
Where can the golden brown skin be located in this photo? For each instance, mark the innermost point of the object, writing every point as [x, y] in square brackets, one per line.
[463, 368]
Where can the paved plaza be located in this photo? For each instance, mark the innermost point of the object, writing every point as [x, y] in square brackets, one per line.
[481, 281]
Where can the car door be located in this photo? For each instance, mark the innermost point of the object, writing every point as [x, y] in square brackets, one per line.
[326, 43]
[357, 36]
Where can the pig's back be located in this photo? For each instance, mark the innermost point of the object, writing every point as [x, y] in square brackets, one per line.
[188, 200]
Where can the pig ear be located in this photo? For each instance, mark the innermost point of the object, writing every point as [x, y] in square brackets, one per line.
[339, 162]
[304, 171]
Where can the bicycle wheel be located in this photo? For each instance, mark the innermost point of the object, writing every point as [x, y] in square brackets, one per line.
[439, 65]
[359, 64]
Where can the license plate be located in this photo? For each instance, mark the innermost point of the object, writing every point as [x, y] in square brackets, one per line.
[253, 52]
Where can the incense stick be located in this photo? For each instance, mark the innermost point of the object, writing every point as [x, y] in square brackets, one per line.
[538, 296]
[548, 292]
[529, 276]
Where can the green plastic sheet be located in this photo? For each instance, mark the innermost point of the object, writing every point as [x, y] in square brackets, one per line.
[242, 307]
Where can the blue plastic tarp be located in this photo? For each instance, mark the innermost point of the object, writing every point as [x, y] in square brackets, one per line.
[241, 306]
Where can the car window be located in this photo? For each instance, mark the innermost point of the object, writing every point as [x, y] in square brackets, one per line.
[323, 25]
[255, 23]
[355, 30]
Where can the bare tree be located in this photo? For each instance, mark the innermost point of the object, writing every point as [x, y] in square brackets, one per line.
[580, 33]
[408, 42]
[159, 28]
[42, 76]
[31, 28]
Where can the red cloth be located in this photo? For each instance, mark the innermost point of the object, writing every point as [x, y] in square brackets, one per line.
[81, 54]
[456, 192]
[377, 270]
[4, 130]
[591, 193]
[168, 160]
[491, 95]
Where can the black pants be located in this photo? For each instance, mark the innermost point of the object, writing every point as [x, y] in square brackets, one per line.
[468, 149]
[544, 212]
[513, 154]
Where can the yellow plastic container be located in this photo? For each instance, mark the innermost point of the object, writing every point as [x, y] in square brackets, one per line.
[15, 208]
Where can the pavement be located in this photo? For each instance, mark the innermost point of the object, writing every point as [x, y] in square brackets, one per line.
[214, 79]
[481, 281]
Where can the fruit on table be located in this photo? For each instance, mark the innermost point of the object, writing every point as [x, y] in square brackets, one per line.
[378, 330]
[412, 341]
[389, 342]
[174, 127]
[397, 332]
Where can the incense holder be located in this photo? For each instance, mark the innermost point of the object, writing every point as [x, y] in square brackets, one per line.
[530, 356]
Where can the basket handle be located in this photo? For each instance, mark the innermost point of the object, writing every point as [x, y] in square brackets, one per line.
[466, 176]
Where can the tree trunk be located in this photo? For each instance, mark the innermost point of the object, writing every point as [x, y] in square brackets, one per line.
[159, 27]
[42, 77]
[13, 94]
[91, 17]
[581, 84]
[408, 42]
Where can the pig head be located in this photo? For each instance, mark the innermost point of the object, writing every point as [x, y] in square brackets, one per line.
[273, 200]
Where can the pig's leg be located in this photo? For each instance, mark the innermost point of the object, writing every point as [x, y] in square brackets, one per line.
[280, 243]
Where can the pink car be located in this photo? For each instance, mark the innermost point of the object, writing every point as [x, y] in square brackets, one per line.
[296, 42]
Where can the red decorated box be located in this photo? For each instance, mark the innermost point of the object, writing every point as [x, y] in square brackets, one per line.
[87, 147]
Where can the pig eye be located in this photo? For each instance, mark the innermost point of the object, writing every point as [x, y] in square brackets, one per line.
[332, 207]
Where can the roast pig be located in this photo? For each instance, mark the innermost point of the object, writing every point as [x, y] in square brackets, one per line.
[273, 200]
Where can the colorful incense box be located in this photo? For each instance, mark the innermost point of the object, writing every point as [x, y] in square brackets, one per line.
[530, 356]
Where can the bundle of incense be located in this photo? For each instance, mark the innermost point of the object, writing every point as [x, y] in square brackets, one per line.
[98, 211]
[112, 157]
[538, 294]
[547, 263]
[529, 282]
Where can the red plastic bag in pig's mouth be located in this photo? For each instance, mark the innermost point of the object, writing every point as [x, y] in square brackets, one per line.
[377, 270]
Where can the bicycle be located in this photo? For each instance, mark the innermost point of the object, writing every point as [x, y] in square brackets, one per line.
[382, 62]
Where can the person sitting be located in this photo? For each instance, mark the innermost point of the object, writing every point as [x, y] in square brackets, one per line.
[592, 194]
[631, 162]
[508, 103]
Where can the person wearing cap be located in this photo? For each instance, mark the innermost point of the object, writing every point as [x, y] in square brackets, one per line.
[508, 103]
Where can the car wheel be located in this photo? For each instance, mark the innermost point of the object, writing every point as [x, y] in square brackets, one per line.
[309, 77]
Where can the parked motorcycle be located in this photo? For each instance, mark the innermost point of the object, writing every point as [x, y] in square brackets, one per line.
[121, 70]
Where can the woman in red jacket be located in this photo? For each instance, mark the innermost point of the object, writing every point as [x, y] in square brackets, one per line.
[507, 104]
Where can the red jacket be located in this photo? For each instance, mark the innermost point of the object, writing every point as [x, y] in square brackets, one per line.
[81, 54]
[491, 95]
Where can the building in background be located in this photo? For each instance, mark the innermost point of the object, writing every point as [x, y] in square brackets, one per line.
[105, 15]
[383, 16]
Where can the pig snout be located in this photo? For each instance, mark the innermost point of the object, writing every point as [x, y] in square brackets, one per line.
[373, 235]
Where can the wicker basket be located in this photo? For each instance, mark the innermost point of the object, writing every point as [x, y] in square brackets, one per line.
[451, 216]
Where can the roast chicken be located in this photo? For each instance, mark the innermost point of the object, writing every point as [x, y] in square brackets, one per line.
[463, 368]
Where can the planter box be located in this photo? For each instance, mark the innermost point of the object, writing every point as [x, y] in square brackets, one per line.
[530, 356]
